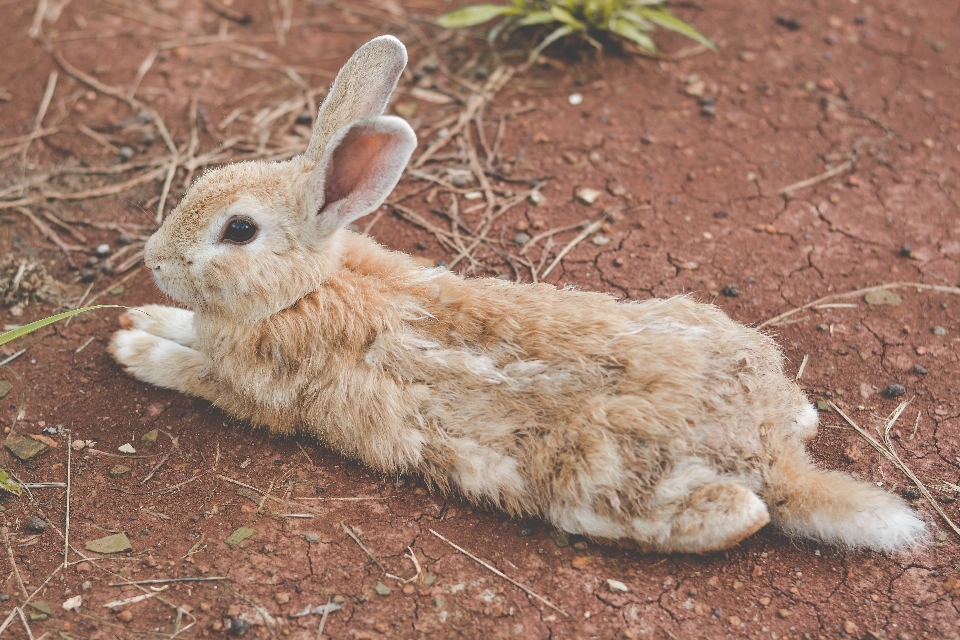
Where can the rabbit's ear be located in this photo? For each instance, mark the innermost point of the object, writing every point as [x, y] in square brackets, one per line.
[362, 164]
[362, 89]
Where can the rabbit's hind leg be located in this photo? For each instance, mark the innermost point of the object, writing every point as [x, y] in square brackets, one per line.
[163, 363]
[170, 323]
[712, 517]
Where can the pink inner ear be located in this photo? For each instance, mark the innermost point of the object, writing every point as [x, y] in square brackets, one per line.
[354, 162]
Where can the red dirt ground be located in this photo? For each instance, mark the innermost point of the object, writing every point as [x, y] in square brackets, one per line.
[875, 82]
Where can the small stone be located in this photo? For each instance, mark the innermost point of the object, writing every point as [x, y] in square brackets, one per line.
[792, 24]
[126, 448]
[117, 543]
[409, 589]
[905, 251]
[282, 597]
[339, 599]
[382, 589]
[312, 538]
[575, 99]
[834, 198]
[853, 453]
[521, 225]
[537, 198]
[149, 439]
[37, 525]
[119, 470]
[823, 405]
[730, 290]
[24, 448]
[921, 350]
[783, 613]
[695, 89]
[581, 562]
[125, 616]
[882, 298]
[588, 195]
[734, 621]
[5, 388]
[600, 240]
[911, 493]
[237, 627]
[580, 545]
[737, 585]
[84, 567]
[103, 249]
[521, 238]
[526, 532]
[155, 409]
[894, 390]
[920, 369]
[4, 597]
[616, 586]
[764, 601]
[618, 261]
[850, 627]
[561, 538]
[939, 331]
[239, 535]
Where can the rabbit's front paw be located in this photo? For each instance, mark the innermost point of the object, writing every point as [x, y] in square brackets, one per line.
[162, 362]
[170, 323]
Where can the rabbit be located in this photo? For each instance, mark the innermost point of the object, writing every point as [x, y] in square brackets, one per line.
[663, 424]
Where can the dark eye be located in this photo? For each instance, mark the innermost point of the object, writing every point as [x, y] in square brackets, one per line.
[239, 231]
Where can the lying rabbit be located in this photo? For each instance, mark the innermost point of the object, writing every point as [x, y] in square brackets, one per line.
[663, 422]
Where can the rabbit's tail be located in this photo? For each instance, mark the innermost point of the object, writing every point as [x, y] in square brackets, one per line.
[834, 507]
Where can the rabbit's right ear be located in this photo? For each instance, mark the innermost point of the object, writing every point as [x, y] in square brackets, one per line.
[361, 90]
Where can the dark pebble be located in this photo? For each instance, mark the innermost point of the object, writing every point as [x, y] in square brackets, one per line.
[237, 626]
[4, 597]
[319, 490]
[421, 246]
[905, 251]
[458, 181]
[731, 291]
[526, 532]
[920, 369]
[708, 110]
[911, 493]
[790, 23]
[894, 390]
[721, 213]
[939, 331]
[37, 525]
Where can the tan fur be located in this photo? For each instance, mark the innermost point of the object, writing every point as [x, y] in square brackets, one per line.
[663, 422]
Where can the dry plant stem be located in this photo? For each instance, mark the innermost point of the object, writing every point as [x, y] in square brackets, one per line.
[23, 619]
[890, 454]
[268, 497]
[11, 142]
[41, 113]
[49, 233]
[591, 228]
[360, 544]
[772, 322]
[809, 182]
[8, 620]
[167, 580]
[546, 234]
[66, 526]
[803, 365]
[37, 23]
[142, 72]
[13, 563]
[502, 575]
[57, 222]
[122, 280]
[323, 620]
[108, 190]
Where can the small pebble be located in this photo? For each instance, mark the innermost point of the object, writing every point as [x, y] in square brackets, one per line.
[103, 249]
[618, 261]
[601, 240]
[575, 99]
[125, 616]
[894, 390]
[522, 225]
[537, 198]
[905, 251]
[526, 532]
[281, 597]
[237, 627]
[409, 590]
[790, 23]
[731, 291]
[36, 525]
[853, 453]
[850, 627]
[616, 586]
[783, 613]
[939, 331]
[588, 195]
[911, 493]
[382, 589]
[458, 181]
[920, 369]
[312, 537]
[521, 238]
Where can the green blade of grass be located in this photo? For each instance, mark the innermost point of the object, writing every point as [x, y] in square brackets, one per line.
[39, 324]
[536, 17]
[565, 30]
[473, 15]
[667, 20]
[625, 28]
[7, 483]
[562, 15]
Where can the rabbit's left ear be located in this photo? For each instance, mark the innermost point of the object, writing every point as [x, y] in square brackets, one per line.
[360, 167]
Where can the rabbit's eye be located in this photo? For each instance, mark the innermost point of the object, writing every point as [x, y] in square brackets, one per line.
[239, 231]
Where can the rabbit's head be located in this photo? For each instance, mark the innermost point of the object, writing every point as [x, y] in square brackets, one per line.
[252, 238]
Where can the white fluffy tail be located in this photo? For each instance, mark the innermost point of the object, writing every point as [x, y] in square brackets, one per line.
[837, 509]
